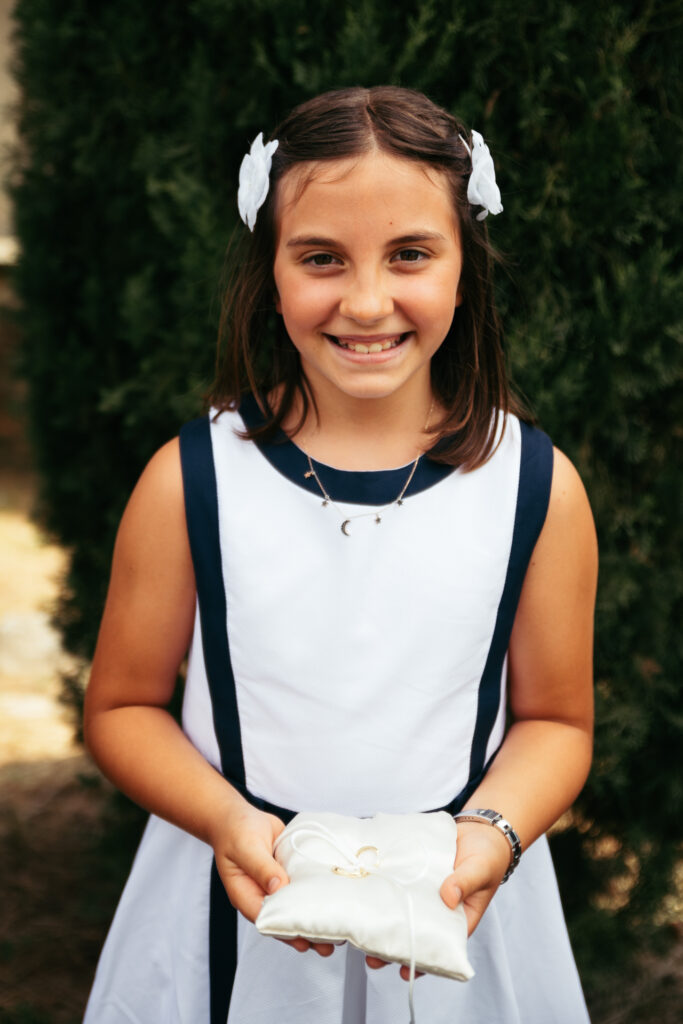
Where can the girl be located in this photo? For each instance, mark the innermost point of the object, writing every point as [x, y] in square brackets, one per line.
[374, 561]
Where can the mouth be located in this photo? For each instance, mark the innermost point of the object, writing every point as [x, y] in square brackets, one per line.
[369, 345]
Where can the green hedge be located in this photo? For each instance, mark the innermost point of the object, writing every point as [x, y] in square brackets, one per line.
[133, 124]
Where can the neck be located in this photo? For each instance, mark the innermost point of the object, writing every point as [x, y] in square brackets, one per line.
[366, 434]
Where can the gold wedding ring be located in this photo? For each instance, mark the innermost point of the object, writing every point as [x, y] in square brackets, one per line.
[351, 872]
[359, 871]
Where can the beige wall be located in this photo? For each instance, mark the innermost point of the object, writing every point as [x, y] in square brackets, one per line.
[8, 98]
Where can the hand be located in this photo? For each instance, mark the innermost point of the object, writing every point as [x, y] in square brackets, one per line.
[482, 858]
[243, 848]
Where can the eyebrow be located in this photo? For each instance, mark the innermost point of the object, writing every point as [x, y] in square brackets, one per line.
[330, 243]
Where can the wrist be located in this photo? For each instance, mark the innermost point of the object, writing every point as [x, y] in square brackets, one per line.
[481, 816]
[227, 810]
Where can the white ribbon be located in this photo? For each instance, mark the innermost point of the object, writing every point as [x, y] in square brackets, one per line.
[482, 189]
[358, 866]
[254, 179]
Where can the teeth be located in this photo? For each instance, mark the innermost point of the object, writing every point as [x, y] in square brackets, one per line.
[376, 346]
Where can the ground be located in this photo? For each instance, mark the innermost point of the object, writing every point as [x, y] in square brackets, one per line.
[65, 838]
[59, 875]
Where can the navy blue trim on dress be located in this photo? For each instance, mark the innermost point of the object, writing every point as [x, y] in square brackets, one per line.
[201, 510]
[376, 488]
[222, 949]
[533, 495]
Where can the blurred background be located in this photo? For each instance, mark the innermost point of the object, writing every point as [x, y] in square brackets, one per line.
[122, 128]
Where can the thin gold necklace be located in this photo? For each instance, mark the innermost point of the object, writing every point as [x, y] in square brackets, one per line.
[346, 519]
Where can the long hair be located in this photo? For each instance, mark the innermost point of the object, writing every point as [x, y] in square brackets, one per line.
[468, 371]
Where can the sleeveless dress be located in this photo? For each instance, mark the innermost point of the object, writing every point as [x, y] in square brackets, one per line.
[354, 674]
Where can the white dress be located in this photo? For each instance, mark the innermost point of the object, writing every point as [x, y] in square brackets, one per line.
[353, 674]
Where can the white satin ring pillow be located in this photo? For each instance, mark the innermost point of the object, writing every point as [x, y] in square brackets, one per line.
[373, 882]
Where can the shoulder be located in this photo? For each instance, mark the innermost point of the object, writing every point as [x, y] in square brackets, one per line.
[164, 465]
[568, 499]
[154, 518]
[567, 545]
[152, 564]
[161, 480]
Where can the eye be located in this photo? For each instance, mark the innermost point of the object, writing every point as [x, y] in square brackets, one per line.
[321, 259]
[410, 256]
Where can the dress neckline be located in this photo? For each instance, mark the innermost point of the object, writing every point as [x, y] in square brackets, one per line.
[355, 487]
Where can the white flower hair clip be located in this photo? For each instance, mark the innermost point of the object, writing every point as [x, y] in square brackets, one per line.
[254, 179]
[482, 189]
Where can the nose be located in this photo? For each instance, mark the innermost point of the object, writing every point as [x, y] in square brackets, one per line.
[367, 298]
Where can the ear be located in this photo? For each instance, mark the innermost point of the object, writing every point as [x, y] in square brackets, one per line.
[278, 304]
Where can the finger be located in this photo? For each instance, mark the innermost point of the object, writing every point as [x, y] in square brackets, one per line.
[299, 944]
[405, 973]
[451, 893]
[470, 876]
[323, 948]
[472, 890]
[244, 893]
[375, 963]
[302, 945]
[256, 860]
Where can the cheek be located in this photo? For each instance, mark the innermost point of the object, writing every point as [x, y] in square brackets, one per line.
[435, 302]
[304, 300]
[290, 298]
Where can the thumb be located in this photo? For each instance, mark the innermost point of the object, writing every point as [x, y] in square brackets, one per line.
[257, 861]
[245, 852]
[470, 886]
[468, 877]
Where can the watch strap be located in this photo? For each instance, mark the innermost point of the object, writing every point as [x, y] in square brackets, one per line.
[497, 821]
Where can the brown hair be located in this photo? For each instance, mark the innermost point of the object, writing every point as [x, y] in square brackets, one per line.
[468, 370]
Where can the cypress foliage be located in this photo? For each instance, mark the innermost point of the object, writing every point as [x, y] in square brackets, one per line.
[133, 123]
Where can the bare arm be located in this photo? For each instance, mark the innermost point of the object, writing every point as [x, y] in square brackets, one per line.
[544, 760]
[145, 632]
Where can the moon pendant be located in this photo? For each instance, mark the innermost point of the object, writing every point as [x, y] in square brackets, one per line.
[343, 527]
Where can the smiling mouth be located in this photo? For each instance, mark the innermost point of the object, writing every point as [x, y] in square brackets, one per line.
[371, 346]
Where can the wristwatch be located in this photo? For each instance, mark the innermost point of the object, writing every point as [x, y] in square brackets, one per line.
[499, 822]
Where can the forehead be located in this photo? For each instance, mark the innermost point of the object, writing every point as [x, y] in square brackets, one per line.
[373, 189]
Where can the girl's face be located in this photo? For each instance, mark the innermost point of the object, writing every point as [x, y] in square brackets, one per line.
[367, 271]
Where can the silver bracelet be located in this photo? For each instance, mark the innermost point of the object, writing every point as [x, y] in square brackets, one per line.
[499, 822]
